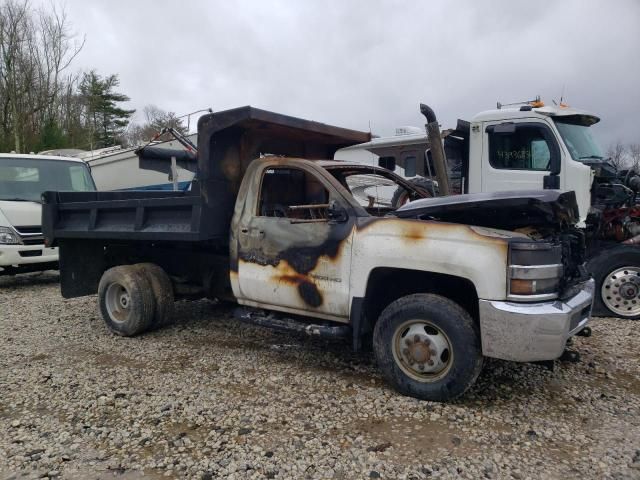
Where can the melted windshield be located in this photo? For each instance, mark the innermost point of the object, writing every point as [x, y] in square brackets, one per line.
[377, 190]
[578, 139]
[25, 179]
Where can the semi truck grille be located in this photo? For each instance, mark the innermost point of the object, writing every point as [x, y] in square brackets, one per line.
[29, 230]
[30, 234]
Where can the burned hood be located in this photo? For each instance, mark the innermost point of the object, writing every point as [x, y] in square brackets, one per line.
[503, 210]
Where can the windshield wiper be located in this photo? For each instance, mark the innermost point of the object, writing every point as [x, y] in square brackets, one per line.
[18, 200]
[591, 156]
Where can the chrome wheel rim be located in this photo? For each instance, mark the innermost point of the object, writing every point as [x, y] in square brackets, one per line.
[118, 302]
[422, 350]
[621, 291]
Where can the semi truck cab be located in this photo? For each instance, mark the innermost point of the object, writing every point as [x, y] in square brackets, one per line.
[533, 148]
[23, 178]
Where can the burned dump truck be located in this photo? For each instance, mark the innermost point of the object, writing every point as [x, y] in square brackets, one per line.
[434, 286]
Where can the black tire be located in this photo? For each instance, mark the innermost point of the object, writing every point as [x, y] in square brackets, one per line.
[461, 333]
[162, 293]
[126, 300]
[602, 266]
[400, 195]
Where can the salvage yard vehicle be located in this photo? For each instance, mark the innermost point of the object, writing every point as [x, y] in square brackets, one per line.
[434, 286]
[531, 146]
[23, 178]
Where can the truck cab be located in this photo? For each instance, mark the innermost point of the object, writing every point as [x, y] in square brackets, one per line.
[23, 179]
[533, 148]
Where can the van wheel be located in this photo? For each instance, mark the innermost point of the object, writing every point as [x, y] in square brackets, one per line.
[162, 293]
[126, 300]
[428, 347]
[617, 275]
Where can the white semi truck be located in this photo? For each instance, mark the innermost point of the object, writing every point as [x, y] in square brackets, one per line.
[23, 178]
[524, 147]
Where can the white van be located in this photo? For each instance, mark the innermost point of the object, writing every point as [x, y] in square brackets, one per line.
[23, 178]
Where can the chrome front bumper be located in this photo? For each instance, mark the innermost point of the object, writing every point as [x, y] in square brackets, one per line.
[528, 332]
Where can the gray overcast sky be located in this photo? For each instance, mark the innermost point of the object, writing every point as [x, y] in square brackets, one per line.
[354, 62]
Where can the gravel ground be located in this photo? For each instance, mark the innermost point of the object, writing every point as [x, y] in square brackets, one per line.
[209, 397]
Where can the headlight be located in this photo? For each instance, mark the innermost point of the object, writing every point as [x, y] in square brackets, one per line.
[535, 271]
[8, 236]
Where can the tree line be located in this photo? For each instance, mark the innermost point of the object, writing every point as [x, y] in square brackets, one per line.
[44, 105]
[624, 156]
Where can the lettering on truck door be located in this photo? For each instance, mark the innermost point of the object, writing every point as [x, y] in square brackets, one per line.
[517, 155]
[291, 255]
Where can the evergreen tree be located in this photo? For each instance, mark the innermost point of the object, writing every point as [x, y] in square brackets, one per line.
[104, 119]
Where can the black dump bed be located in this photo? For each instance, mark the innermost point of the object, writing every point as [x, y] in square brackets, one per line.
[126, 215]
[227, 142]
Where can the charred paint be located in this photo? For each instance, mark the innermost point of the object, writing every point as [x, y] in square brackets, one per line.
[414, 230]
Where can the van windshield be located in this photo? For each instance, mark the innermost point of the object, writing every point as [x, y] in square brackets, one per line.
[578, 139]
[25, 179]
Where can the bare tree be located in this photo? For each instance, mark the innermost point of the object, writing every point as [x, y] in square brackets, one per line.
[634, 156]
[36, 47]
[155, 120]
[617, 155]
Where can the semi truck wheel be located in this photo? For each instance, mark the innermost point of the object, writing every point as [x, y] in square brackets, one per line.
[617, 275]
[428, 347]
[400, 196]
[162, 293]
[126, 300]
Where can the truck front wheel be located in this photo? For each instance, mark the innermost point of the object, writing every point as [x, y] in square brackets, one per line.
[617, 275]
[126, 300]
[428, 347]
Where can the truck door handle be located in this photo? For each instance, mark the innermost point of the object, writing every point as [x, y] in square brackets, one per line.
[252, 232]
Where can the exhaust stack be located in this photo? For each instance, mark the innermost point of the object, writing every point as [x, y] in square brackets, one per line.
[437, 150]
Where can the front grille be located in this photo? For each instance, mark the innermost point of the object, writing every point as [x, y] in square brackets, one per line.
[32, 240]
[30, 234]
[29, 229]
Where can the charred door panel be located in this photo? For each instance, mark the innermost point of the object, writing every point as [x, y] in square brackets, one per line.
[290, 254]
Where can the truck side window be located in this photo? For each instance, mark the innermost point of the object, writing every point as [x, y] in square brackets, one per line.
[525, 149]
[410, 166]
[292, 193]
[388, 162]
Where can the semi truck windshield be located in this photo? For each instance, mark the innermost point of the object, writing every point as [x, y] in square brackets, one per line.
[24, 179]
[578, 139]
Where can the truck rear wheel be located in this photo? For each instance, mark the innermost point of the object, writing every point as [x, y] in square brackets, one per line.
[126, 300]
[617, 275]
[428, 347]
[162, 293]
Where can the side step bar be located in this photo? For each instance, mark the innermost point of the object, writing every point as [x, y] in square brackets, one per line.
[288, 325]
